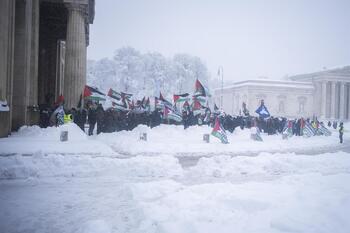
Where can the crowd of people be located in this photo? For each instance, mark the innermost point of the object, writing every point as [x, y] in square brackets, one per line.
[111, 120]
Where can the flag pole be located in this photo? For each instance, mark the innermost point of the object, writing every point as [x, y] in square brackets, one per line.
[221, 71]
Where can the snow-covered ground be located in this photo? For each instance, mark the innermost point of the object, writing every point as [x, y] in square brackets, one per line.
[162, 140]
[117, 183]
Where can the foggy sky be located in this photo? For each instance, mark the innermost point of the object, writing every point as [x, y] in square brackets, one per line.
[249, 38]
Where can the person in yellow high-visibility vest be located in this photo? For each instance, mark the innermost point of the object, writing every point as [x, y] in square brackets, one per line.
[68, 118]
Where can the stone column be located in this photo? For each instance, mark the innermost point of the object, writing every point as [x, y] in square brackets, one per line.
[323, 99]
[333, 99]
[7, 20]
[75, 62]
[25, 75]
[342, 101]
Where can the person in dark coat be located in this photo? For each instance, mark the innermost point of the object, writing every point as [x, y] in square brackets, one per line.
[100, 118]
[92, 118]
[335, 125]
[341, 132]
[329, 124]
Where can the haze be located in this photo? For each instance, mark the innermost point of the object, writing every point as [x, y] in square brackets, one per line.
[250, 39]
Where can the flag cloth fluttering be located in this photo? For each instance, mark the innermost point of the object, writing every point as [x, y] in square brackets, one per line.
[92, 93]
[197, 107]
[181, 98]
[171, 114]
[120, 100]
[114, 95]
[199, 89]
[263, 112]
[219, 132]
[165, 102]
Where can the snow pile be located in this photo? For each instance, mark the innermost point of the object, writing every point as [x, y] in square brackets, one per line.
[39, 166]
[51, 133]
[171, 139]
[312, 203]
[33, 139]
[267, 165]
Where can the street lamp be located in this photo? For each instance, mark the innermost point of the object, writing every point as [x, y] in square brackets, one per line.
[221, 72]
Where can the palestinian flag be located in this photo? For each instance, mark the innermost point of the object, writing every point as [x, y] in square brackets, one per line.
[92, 93]
[165, 102]
[147, 105]
[114, 95]
[139, 107]
[288, 130]
[308, 130]
[197, 108]
[186, 105]
[181, 98]
[324, 130]
[126, 96]
[219, 132]
[121, 105]
[158, 103]
[171, 114]
[199, 89]
[201, 99]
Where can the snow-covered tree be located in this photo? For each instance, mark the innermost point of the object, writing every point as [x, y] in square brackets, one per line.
[147, 74]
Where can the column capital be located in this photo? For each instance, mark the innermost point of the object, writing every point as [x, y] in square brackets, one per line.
[76, 7]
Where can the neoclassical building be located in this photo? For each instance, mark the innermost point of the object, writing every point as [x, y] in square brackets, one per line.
[331, 94]
[322, 94]
[43, 46]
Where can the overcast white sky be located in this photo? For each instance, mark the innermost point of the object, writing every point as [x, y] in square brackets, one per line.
[249, 38]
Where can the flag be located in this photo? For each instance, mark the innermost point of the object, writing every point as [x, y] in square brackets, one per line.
[148, 105]
[114, 95]
[126, 96]
[181, 98]
[262, 111]
[219, 132]
[201, 99]
[288, 130]
[186, 106]
[121, 105]
[171, 114]
[165, 102]
[308, 130]
[197, 108]
[80, 101]
[158, 103]
[93, 93]
[199, 89]
[120, 100]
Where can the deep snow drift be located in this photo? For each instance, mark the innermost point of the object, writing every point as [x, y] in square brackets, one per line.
[164, 139]
[106, 183]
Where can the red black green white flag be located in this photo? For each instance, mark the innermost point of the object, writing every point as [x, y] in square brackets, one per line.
[199, 89]
[219, 132]
[181, 98]
[171, 114]
[93, 93]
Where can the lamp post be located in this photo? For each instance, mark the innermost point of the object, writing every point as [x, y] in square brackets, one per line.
[221, 72]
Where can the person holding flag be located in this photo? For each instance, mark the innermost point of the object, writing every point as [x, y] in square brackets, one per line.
[262, 111]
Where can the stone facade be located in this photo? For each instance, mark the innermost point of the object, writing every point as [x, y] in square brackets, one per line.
[332, 92]
[42, 55]
[325, 95]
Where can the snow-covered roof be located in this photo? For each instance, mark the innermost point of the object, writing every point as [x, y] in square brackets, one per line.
[342, 72]
[270, 83]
